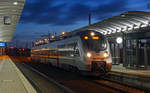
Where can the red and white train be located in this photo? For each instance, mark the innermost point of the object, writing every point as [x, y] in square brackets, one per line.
[86, 51]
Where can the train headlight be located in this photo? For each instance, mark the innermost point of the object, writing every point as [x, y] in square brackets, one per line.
[89, 54]
[106, 54]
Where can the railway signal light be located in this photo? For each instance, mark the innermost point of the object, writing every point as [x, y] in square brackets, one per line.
[23, 49]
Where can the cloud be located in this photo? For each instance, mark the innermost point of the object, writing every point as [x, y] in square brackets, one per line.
[32, 11]
[56, 12]
[110, 9]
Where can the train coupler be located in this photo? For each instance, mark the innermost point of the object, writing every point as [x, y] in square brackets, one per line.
[99, 67]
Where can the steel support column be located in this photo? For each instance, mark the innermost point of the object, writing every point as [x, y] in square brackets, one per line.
[145, 56]
[124, 51]
[137, 53]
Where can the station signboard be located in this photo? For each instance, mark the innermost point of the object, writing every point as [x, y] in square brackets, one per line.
[2, 44]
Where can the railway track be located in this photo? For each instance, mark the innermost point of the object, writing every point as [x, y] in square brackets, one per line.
[118, 87]
[105, 82]
[54, 87]
[135, 81]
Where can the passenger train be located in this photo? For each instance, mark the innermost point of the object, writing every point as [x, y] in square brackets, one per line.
[86, 51]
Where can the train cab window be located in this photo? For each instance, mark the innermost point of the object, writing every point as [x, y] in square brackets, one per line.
[96, 43]
[76, 53]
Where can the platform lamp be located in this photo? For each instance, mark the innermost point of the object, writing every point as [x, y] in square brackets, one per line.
[63, 33]
[119, 40]
[53, 37]
[15, 3]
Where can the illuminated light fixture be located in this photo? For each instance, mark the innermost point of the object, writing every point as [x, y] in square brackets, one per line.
[15, 3]
[125, 28]
[109, 62]
[105, 33]
[119, 40]
[114, 31]
[119, 30]
[63, 33]
[130, 28]
[89, 54]
[92, 33]
[71, 55]
[137, 26]
[101, 32]
[144, 25]
[95, 37]
[11, 47]
[53, 37]
[123, 15]
[86, 37]
[106, 54]
[109, 32]
[23, 49]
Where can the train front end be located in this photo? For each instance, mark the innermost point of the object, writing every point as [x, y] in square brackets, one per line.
[97, 52]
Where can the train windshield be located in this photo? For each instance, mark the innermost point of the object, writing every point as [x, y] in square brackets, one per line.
[94, 43]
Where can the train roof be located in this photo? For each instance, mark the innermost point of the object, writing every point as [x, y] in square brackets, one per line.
[70, 34]
[81, 32]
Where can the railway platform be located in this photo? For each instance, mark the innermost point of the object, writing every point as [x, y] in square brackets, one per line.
[11, 79]
[137, 78]
[18, 78]
[137, 72]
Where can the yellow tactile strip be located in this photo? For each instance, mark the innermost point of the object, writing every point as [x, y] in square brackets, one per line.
[4, 57]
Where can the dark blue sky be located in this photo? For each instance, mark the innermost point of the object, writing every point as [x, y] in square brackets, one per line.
[41, 16]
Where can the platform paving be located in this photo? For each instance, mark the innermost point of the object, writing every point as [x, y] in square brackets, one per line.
[138, 72]
[12, 80]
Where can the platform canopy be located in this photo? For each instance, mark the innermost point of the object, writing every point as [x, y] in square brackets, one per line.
[127, 22]
[10, 11]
